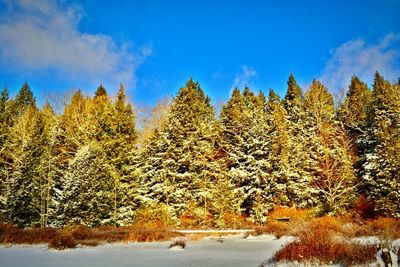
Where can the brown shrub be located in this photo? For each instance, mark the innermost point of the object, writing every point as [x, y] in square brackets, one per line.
[295, 215]
[320, 245]
[277, 228]
[326, 223]
[387, 228]
[364, 208]
[70, 236]
[144, 234]
[62, 241]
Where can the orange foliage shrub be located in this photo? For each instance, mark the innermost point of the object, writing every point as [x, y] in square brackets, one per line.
[277, 228]
[62, 241]
[364, 208]
[326, 223]
[295, 215]
[318, 244]
[235, 221]
[386, 227]
[71, 236]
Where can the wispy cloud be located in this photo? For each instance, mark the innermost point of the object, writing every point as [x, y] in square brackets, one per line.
[358, 57]
[245, 77]
[37, 36]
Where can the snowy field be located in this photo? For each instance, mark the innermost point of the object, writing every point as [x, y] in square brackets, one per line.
[229, 251]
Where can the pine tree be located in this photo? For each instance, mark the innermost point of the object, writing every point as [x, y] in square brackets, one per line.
[383, 157]
[278, 150]
[118, 140]
[177, 164]
[48, 167]
[4, 122]
[100, 92]
[243, 138]
[22, 101]
[26, 148]
[330, 160]
[299, 179]
[88, 190]
[353, 113]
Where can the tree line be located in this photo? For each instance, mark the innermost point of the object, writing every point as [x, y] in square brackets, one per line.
[91, 165]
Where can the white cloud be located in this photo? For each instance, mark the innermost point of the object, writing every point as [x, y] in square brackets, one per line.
[245, 77]
[43, 35]
[358, 57]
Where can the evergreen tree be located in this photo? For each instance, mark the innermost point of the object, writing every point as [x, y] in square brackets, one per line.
[88, 190]
[117, 136]
[26, 148]
[353, 113]
[48, 167]
[299, 179]
[22, 101]
[330, 160]
[100, 92]
[4, 122]
[243, 138]
[177, 163]
[383, 157]
[293, 97]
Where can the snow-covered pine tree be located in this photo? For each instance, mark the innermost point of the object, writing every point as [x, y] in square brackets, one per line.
[175, 165]
[75, 128]
[26, 148]
[279, 142]
[14, 109]
[330, 160]
[244, 140]
[299, 179]
[4, 127]
[117, 136]
[382, 166]
[48, 167]
[88, 196]
[353, 114]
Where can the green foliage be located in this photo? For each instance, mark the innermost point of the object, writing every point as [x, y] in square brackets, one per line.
[88, 193]
[382, 166]
[85, 166]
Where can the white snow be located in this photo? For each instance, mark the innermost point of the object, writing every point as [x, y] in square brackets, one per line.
[232, 251]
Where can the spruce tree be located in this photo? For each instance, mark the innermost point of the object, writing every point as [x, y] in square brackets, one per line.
[49, 172]
[299, 178]
[177, 159]
[330, 161]
[100, 91]
[88, 189]
[4, 127]
[22, 101]
[117, 136]
[26, 148]
[243, 137]
[382, 159]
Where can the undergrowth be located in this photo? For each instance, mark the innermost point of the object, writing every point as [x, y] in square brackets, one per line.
[72, 236]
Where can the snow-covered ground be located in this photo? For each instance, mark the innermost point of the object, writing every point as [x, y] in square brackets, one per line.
[228, 251]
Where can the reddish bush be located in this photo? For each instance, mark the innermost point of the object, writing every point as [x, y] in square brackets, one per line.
[320, 245]
[62, 241]
[364, 208]
[69, 237]
[277, 228]
[294, 215]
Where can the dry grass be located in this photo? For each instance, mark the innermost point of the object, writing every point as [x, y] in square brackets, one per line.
[297, 220]
[320, 245]
[71, 236]
[327, 240]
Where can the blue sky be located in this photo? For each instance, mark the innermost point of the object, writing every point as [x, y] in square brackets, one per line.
[153, 47]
